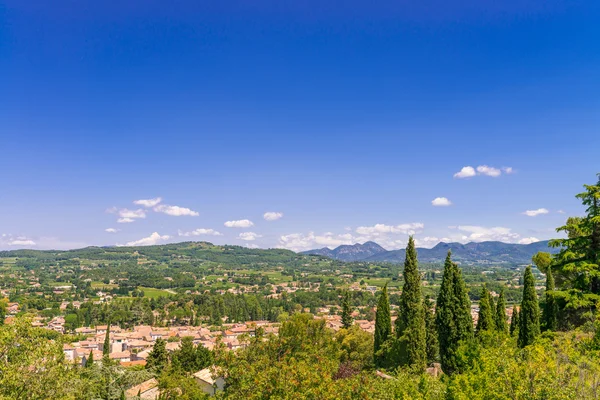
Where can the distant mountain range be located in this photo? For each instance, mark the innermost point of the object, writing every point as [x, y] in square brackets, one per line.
[469, 253]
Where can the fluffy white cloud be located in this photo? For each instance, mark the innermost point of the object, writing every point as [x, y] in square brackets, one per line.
[528, 240]
[441, 202]
[175, 211]
[272, 216]
[148, 202]
[489, 171]
[242, 223]
[465, 172]
[126, 215]
[475, 233]
[21, 242]
[408, 229]
[153, 239]
[249, 236]
[300, 241]
[111, 230]
[200, 232]
[468, 171]
[251, 245]
[535, 213]
[561, 211]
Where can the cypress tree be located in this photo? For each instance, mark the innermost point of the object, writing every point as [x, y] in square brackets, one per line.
[383, 324]
[514, 322]
[432, 335]
[501, 324]
[90, 360]
[347, 319]
[529, 318]
[452, 316]
[550, 308]
[106, 345]
[444, 316]
[486, 319]
[158, 358]
[462, 309]
[410, 325]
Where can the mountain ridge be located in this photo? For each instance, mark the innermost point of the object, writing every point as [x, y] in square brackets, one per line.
[487, 252]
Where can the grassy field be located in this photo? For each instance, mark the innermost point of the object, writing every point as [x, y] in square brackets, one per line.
[103, 286]
[153, 293]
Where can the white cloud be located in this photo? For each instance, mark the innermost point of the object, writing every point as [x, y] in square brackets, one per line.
[535, 213]
[175, 211]
[561, 211]
[528, 240]
[111, 230]
[200, 232]
[441, 202]
[249, 236]
[242, 223]
[148, 202]
[489, 171]
[153, 239]
[483, 234]
[21, 242]
[469, 172]
[465, 172]
[126, 215]
[300, 241]
[408, 229]
[251, 245]
[272, 216]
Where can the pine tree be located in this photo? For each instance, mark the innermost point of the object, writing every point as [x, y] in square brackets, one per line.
[452, 316]
[347, 319]
[383, 324]
[514, 322]
[90, 360]
[485, 321]
[158, 359]
[529, 318]
[410, 325]
[106, 344]
[501, 324]
[550, 308]
[432, 335]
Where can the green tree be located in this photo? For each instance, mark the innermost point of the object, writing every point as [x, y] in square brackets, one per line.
[432, 334]
[90, 360]
[191, 358]
[3, 308]
[106, 344]
[158, 358]
[347, 319]
[576, 267]
[550, 306]
[383, 324]
[500, 316]
[529, 317]
[485, 322]
[410, 324]
[514, 322]
[452, 316]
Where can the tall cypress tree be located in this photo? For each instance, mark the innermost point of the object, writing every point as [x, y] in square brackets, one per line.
[90, 360]
[106, 344]
[383, 324]
[432, 335]
[347, 319]
[529, 317]
[410, 325]
[550, 308]
[485, 321]
[514, 322]
[501, 324]
[452, 316]
[444, 317]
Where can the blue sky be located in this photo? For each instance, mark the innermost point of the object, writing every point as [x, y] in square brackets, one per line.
[347, 118]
